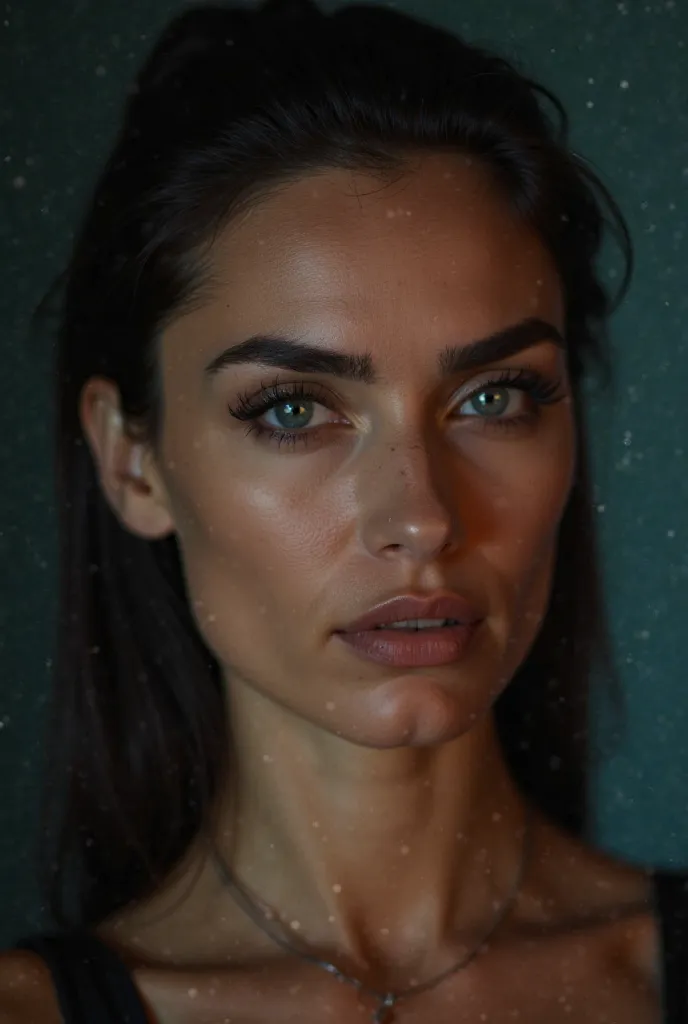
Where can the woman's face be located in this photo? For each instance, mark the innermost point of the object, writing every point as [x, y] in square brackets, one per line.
[388, 468]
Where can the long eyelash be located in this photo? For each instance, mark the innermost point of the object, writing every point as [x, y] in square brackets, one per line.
[251, 407]
[541, 390]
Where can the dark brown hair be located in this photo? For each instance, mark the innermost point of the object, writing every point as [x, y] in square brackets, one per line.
[231, 102]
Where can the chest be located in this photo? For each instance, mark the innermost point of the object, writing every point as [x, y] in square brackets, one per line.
[578, 983]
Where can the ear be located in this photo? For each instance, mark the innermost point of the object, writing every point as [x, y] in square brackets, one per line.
[128, 475]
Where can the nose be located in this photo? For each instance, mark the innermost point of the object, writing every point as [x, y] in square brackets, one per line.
[408, 504]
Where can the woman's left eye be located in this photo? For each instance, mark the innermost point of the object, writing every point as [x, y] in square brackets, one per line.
[494, 402]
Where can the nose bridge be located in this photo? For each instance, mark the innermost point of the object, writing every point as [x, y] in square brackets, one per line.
[407, 500]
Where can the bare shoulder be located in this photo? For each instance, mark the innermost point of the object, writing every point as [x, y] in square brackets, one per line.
[593, 890]
[577, 874]
[26, 992]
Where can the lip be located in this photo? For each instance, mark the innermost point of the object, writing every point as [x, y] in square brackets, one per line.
[443, 605]
[423, 648]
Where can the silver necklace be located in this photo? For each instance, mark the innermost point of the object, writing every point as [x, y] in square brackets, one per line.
[266, 919]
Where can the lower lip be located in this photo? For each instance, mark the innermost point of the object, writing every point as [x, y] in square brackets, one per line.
[420, 648]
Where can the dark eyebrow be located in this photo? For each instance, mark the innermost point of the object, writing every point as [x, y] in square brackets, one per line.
[501, 345]
[300, 357]
[287, 354]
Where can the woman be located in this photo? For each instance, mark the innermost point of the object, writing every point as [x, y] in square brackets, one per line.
[329, 604]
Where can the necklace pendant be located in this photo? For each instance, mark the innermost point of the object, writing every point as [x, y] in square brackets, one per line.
[383, 1014]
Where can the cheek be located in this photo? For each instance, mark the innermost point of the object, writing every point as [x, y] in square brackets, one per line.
[256, 553]
[527, 516]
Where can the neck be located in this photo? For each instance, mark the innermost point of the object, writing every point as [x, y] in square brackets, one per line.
[390, 851]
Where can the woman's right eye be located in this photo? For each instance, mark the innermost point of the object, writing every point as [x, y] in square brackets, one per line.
[286, 415]
[294, 414]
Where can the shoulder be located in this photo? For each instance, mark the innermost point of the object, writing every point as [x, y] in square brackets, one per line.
[590, 891]
[582, 879]
[26, 991]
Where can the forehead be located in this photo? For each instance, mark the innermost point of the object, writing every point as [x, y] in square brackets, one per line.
[349, 256]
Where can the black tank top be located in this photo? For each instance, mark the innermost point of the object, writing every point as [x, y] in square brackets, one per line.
[94, 987]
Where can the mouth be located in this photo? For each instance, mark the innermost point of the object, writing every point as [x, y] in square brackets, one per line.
[414, 632]
[416, 625]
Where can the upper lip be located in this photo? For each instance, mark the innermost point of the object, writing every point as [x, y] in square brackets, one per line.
[407, 607]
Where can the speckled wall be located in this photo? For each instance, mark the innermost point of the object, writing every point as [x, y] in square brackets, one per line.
[622, 71]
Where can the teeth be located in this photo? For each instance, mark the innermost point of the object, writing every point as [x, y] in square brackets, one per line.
[419, 624]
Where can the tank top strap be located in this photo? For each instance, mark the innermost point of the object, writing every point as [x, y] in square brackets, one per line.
[671, 904]
[92, 984]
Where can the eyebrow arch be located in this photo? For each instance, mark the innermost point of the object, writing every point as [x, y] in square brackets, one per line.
[300, 357]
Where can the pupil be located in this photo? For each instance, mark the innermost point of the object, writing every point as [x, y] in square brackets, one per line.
[486, 402]
[294, 414]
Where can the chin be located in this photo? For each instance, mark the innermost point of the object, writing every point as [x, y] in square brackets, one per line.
[421, 712]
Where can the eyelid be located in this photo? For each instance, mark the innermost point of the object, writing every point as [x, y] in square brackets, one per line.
[256, 401]
[491, 373]
[315, 390]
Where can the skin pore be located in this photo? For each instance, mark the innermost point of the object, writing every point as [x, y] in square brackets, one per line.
[370, 806]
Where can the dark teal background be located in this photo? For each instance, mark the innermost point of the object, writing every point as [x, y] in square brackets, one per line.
[622, 71]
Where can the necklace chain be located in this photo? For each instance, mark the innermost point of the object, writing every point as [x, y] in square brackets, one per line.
[265, 919]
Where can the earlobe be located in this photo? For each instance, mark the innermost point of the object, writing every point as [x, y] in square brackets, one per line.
[126, 469]
[143, 501]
